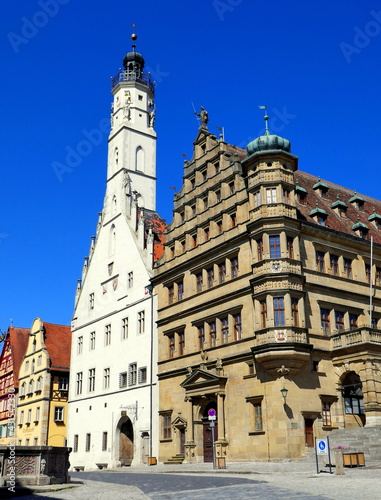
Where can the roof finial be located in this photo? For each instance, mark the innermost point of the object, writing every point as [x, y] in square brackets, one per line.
[134, 37]
[266, 118]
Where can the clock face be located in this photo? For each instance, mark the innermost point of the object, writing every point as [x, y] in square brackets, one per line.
[276, 267]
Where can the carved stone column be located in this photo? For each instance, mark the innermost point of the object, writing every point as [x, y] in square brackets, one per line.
[221, 443]
[189, 445]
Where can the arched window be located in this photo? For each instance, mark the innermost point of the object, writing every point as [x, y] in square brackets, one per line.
[139, 165]
[31, 387]
[39, 384]
[112, 240]
[353, 396]
[23, 389]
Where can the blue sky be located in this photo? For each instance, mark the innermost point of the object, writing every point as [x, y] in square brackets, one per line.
[316, 65]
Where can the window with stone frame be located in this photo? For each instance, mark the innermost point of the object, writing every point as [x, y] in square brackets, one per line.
[290, 247]
[222, 272]
[225, 329]
[320, 266]
[80, 344]
[58, 413]
[295, 311]
[132, 374]
[348, 268]
[274, 247]
[171, 293]
[92, 380]
[201, 336]
[256, 414]
[180, 290]
[260, 249]
[237, 326]
[271, 195]
[257, 199]
[88, 442]
[141, 322]
[279, 312]
[263, 310]
[326, 413]
[334, 263]
[181, 343]
[324, 319]
[367, 273]
[212, 333]
[79, 380]
[122, 380]
[166, 425]
[339, 321]
[171, 345]
[353, 321]
[210, 275]
[75, 443]
[104, 441]
[106, 378]
[378, 276]
[124, 328]
[199, 282]
[234, 267]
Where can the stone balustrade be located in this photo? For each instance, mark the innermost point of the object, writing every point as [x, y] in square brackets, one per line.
[357, 336]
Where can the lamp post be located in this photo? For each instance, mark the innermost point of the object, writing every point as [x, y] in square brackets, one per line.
[284, 392]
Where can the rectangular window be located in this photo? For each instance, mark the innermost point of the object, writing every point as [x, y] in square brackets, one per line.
[222, 272]
[258, 422]
[63, 384]
[21, 418]
[35, 441]
[201, 337]
[107, 334]
[132, 372]
[80, 345]
[92, 341]
[295, 311]
[334, 261]
[210, 274]
[212, 333]
[218, 195]
[378, 276]
[91, 301]
[171, 293]
[92, 380]
[225, 330]
[320, 261]
[219, 227]
[348, 268]
[39, 360]
[27, 442]
[182, 216]
[106, 378]
[124, 328]
[29, 417]
[171, 344]
[271, 195]
[233, 220]
[206, 234]
[324, 319]
[367, 273]
[88, 442]
[167, 427]
[193, 210]
[104, 441]
[260, 249]
[199, 282]
[339, 321]
[122, 380]
[205, 202]
[78, 388]
[326, 413]
[231, 187]
[290, 247]
[353, 319]
[237, 327]
[286, 196]
[274, 247]
[142, 375]
[194, 240]
[279, 311]
[263, 308]
[141, 321]
[257, 199]
[58, 413]
[234, 267]
[75, 443]
[180, 290]
[130, 279]
[181, 343]
[37, 417]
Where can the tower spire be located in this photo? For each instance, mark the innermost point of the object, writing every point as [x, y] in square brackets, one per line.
[266, 118]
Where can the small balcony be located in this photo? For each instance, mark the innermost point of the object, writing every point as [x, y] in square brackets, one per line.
[273, 210]
[349, 338]
[287, 266]
[133, 76]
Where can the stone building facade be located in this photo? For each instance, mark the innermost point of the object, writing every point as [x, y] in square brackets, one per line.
[269, 306]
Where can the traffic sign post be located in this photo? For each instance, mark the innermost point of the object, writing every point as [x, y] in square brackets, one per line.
[322, 448]
[212, 415]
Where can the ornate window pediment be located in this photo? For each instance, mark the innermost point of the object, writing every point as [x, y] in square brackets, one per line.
[203, 379]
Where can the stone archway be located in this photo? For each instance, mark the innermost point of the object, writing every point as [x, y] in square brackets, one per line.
[351, 387]
[125, 432]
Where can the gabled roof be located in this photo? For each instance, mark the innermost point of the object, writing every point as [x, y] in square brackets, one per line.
[58, 344]
[18, 338]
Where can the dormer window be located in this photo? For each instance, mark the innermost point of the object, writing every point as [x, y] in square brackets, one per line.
[301, 194]
[357, 201]
[321, 188]
[375, 219]
[319, 215]
[361, 230]
[340, 208]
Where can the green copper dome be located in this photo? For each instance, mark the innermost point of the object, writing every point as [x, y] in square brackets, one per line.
[268, 142]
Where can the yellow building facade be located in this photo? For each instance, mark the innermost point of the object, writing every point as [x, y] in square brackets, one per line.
[43, 386]
[269, 297]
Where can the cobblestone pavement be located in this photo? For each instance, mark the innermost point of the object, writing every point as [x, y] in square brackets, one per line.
[239, 481]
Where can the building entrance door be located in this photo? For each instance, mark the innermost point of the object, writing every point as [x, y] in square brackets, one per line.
[309, 432]
[126, 443]
[208, 441]
[182, 441]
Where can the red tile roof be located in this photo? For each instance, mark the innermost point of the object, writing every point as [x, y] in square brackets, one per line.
[332, 195]
[58, 344]
[18, 338]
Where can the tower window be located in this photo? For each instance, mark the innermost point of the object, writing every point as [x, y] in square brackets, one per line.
[279, 318]
[274, 247]
[271, 195]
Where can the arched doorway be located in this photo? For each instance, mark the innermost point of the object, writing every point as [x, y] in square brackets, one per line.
[210, 433]
[351, 386]
[126, 441]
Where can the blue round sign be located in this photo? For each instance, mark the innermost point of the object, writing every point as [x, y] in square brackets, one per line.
[212, 412]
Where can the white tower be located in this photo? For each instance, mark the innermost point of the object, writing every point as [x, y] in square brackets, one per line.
[113, 394]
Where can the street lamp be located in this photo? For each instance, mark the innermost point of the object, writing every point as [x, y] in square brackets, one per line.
[284, 392]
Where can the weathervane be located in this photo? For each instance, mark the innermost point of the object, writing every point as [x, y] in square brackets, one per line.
[266, 118]
[134, 36]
